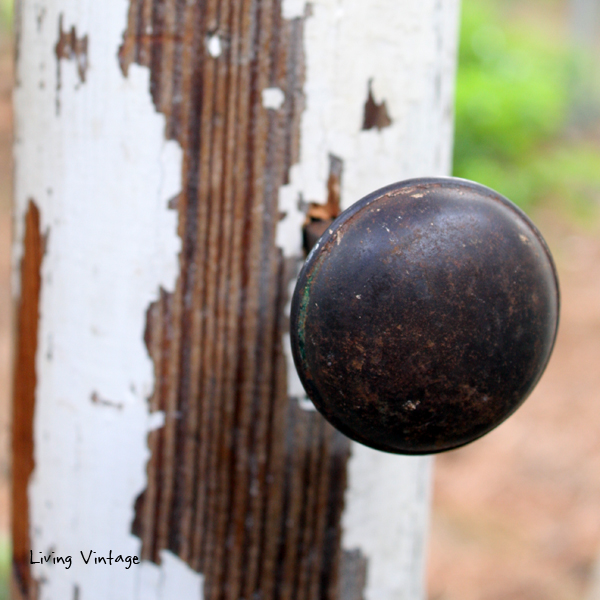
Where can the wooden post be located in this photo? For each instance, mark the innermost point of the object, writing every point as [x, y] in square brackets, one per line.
[168, 155]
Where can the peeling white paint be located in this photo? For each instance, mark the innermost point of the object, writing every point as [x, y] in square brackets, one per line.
[213, 45]
[101, 174]
[156, 420]
[408, 52]
[386, 517]
[295, 388]
[182, 583]
[273, 98]
[306, 403]
[292, 9]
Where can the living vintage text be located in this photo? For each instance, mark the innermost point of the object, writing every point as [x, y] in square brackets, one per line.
[88, 559]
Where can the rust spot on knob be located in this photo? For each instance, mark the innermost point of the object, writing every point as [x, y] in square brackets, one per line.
[425, 316]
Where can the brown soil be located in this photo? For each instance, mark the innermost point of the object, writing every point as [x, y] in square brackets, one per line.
[517, 514]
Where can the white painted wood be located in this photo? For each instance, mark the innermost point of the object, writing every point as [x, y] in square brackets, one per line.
[101, 173]
[408, 51]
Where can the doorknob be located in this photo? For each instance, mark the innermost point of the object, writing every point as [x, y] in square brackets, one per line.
[424, 315]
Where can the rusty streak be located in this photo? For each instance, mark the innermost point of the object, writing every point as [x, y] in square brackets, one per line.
[23, 586]
[243, 485]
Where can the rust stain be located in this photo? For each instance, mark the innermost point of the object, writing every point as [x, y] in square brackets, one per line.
[243, 485]
[23, 586]
[376, 115]
[70, 47]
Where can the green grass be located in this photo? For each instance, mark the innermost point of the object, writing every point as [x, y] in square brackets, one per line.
[516, 89]
[5, 561]
[6, 13]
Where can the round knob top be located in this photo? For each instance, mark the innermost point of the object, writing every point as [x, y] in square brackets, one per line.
[425, 315]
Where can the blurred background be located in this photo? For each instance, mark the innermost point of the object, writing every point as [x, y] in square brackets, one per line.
[6, 78]
[516, 515]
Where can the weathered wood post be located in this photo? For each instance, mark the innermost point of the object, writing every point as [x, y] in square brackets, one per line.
[168, 153]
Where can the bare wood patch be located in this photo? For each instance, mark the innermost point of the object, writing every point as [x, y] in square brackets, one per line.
[376, 114]
[70, 47]
[23, 586]
[243, 485]
[320, 216]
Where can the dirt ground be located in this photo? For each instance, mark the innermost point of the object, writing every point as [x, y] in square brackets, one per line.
[516, 515]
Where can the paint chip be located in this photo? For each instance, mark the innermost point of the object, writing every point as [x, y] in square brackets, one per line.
[273, 98]
[376, 115]
[213, 46]
[71, 47]
[305, 403]
[156, 420]
[293, 9]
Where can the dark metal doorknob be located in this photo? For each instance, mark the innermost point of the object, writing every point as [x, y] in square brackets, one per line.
[425, 315]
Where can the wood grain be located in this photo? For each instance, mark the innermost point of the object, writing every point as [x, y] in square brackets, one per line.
[243, 485]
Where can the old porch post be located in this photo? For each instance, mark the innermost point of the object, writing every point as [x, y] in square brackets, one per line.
[168, 155]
